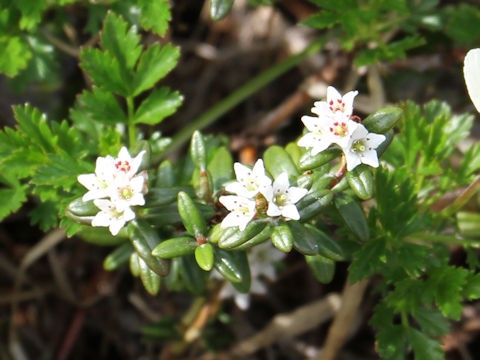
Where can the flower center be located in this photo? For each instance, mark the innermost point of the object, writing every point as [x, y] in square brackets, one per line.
[122, 165]
[335, 106]
[126, 193]
[280, 199]
[339, 128]
[359, 146]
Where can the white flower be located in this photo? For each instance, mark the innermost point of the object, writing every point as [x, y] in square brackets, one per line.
[316, 138]
[361, 148]
[249, 181]
[336, 103]
[282, 198]
[125, 164]
[127, 192]
[471, 72]
[340, 129]
[110, 216]
[242, 210]
[98, 184]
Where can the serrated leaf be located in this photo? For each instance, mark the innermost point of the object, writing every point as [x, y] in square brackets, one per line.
[121, 41]
[424, 347]
[105, 71]
[368, 259]
[11, 197]
[33, 124]
[432, 322]
[100, 106]
[447, 284]
[391, 342]
[31, 13]
[15, 55]
[322, 20]
[157, 106]
[472, 288]
[45, 215]
[154, 64]
[155, 15]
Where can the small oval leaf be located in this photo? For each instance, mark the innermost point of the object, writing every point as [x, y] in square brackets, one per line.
[175, 247]
[383, 120]
[282, 238]
[361, 181]
[204, 256]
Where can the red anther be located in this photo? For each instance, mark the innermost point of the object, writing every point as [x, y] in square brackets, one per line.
[339, 101]
[331, 102]
[335, 123]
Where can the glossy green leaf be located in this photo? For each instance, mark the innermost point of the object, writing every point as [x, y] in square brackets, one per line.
[118, 257]
[327, 246]
[313, 203]
[165, 175]
[308, 162]
[191, 216]
[322, 268]
[159, 196]
[155, 15]
[156, 62]
[231, 239]
[198, 150]
[277, 161]
[257, 239]
[179, 246]
[353, 215]
[383, 120]
[194, 278]
[150, 279]
[144, 239]
[220, 8]
[303, 241]
[231, 264]
[101, 236]
[221, 168]
[282, 237]
[204, 256]
[157, 106]
[361, 181]
[78, 207]
[134, 264]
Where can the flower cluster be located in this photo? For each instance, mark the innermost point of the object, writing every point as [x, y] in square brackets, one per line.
[334, 125]
[261, 259]
[254, 189]
[114, 188]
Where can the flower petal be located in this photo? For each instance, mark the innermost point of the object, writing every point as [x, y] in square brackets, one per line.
[290, 212]
[471, 72]
[295, 193]
[374, 140]
[353, 160]
[370, 157]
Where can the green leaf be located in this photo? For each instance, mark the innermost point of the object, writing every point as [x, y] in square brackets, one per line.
[322, 268]
[144, 239]
[368, 259]
[122, 42]
[150, 279]
[45, 215]
[262, 236]
[101, 236]
[194, 278]
[15, 55]
[155, 15]
[135, 264]
[198, 150]
[313, 203]
[118, 257]
[220, 8]
[179, 246]
[432, 322]
[105, 71]
[322, 20]
[34, 125]
[232, 239]
[383, 120]
[154, 64]
[165, 175]
[447, 284]
[277, 161]
[353, 215]
[157, 106]
[472, 288]
[327, 246]
[425, 348]
[231, 264]
[204, 256]
[361, 181]
[12, 196]
[221, 168]
[308, 162]
[99, 106]
[282, 237]
[191, 216]
[391, 342]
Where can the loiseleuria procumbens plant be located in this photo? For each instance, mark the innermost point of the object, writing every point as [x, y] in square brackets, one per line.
[347, 189]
